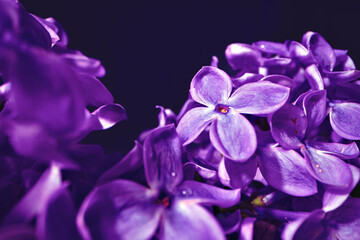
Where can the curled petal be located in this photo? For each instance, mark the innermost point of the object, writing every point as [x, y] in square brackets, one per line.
[315, 107]
[321, 50]
[237, 174]
[210, 86]
[343, 76]
[259, 98]
[345, 120]
[109, 115]
[197, 192]
[246, 78]
[162, 158]
[300, 53]
[285, 170]
[280, 80]
[166, 116]
[202, 171]
[334, 197]
[314, 77]
[193, 123]
[247, 228]
[243, 56]
[343, 151]
[119, 210]
[233, 136]
[190, 221]
[94, 92]
[272, 48]
[288, 126]
[327, 168]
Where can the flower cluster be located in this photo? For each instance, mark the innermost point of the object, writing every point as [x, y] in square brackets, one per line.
[266, 151]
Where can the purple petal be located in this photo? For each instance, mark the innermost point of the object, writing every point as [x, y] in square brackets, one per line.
[288, 126]
[246, 78]
[314, 78]
[243, 56]
[345, 120]
[84, 64]
[18, 232]
[57, 219]
[327, 168]
[247, 228]
[231, 223]
[315, 107]
[300, 53]
[162, 158]
[285, 170]
[237, 174]
[343, 76]
[109, 115]
[343, 151]
[196, 192]
[119, 210]
[321, 50]
[190, 221]
[94, 92]
[233, 136]
[259, 98]
[272, 48]
[214, 61]
[280, 80]
[132, 161]
[202, 171]
[35, 199]
[210, 86]
[334, 197]
[166, 116]
[193, 123]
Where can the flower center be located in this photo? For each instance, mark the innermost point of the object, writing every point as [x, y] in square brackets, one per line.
[163, 201]
[222, 108]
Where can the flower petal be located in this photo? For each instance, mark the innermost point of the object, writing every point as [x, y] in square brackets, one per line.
[247, 228]
[327, 168]
[197, 192]
[190, 221]
[315, 107]
[193, 123]
[280, 80]
[345, 120]
[343, 76]
[243, 56]
[300, 53]
[109, 115]
[343, 151]
[233, 136]
[210, 86]
[202, 171]
[321, 50]
[94, 92]
[231, 223]
[237, 174]
[259, 98]
[334, 197]
[119, 210]
[314, 78]
[272, 48]
[285, 170]
[288, 126]
[162, 158]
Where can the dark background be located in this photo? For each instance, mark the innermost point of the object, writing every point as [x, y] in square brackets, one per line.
[152, 49]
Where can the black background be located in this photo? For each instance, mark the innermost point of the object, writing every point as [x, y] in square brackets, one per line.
[152, 49]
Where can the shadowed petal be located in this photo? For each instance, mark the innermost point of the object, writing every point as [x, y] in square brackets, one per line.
[315, 107]
[334, 197]
[300, 53]
[327, 168]
[345, 120]
[247, 228]
[193, 123]
[343, 151]
[314, 78]
[288, 126]
[272, 48]
[189, 221]
[162, 158]
[233, 136]
[202, 171]
[57, 219]
[259, 97]
[285, 170]
[109, 115]
[210, 86]
[237, 174]
[231, 223]
[343, 76]
[94, 92]
[119, 210]
[243, 56]
[35, 199]
[197, 192]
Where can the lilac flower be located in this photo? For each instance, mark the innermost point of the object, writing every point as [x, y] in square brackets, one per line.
[230, 133]
[124, 209]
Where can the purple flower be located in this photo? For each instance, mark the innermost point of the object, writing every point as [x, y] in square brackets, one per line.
[123, 209]
[230, 133]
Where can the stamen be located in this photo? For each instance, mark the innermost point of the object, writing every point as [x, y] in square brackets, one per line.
[222, 108]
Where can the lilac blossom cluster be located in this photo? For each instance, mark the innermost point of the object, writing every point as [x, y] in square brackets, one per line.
[266, 151]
